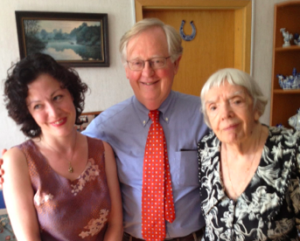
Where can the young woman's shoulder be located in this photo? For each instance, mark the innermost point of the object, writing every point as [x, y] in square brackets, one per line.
[12, 157]
[13, 152]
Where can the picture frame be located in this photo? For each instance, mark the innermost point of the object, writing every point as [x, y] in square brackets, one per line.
[86, 119]
[72, 39]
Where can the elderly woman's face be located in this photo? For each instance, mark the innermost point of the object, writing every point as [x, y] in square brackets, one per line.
[229, 109]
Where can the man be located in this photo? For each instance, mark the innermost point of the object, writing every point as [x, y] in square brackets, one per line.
[151, 53]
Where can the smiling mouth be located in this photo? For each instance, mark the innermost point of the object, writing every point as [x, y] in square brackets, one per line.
[148, 84]
[58, 122]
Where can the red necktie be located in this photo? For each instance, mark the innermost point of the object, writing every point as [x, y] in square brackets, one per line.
[157, 198]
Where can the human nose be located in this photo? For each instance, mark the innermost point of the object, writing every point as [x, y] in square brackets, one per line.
[52, 109]
[225, 110]
[147, 70]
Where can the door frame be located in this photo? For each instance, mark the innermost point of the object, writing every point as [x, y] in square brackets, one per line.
[243, 23]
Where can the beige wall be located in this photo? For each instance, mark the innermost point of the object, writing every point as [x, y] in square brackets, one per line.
[109, 85]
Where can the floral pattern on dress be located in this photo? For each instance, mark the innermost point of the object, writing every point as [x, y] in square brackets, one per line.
[269, 208]
[90, 173]
[95, 225]
[41, 198]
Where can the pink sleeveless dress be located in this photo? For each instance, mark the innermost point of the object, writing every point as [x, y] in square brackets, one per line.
[70, 210]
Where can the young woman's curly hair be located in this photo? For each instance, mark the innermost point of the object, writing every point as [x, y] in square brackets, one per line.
[26, 71]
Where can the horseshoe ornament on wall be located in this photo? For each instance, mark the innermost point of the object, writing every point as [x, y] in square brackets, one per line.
[187, 37]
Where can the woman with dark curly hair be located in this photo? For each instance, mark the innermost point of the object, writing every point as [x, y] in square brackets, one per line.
[59, 185]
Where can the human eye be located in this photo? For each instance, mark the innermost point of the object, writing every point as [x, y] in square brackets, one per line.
[212, 107]
[237, 101]
[37, 106]
[158, 61]
[57, 97]
[136, 63]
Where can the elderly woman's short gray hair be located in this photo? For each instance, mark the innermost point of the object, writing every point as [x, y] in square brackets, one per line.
[234, 77]
[173, 37]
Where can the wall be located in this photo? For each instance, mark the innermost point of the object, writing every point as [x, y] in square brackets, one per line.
[109, 85]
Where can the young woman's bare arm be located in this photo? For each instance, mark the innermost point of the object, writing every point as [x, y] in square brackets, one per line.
[18, 196]
[115, 222]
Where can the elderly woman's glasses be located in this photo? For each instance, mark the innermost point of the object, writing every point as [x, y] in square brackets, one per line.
[155, 63]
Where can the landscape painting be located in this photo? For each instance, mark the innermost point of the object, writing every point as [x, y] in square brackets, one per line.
[73, 39]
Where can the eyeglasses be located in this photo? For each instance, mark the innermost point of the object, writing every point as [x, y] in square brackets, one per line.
[155, 63]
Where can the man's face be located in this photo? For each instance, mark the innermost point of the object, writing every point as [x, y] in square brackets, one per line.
[150, 86]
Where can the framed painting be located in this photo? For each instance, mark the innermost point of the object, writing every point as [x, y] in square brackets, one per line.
[72, 39]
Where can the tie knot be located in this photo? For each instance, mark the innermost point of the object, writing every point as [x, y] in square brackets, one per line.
[154, 114]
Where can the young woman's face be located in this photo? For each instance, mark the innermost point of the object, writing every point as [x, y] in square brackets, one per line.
[51, 106]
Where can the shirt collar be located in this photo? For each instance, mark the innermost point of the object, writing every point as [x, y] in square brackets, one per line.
[164, 109]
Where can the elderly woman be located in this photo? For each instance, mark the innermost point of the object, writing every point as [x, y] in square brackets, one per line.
[249, 172]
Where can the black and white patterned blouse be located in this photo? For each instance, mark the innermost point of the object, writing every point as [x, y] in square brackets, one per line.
[269, 207]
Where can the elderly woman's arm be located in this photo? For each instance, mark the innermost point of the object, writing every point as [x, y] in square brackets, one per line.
[295, 192]
[294, 186]
[18, 196]
[115, 222]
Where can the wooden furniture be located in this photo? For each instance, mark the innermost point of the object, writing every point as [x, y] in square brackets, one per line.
[86, 119]
[285, 103]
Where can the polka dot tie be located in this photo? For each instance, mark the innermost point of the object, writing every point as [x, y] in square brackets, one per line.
[157, 198]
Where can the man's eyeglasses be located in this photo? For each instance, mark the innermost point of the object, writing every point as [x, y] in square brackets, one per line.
[155, 63]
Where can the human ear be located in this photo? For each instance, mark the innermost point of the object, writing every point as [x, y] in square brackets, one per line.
[176, 64]
[256, 115]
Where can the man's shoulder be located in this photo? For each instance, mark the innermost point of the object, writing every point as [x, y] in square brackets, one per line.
[108, 119]
[187, 99]
[118, 110]
[187, 103]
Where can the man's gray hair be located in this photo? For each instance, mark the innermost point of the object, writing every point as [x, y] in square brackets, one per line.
[234, 77]
[173, 37]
